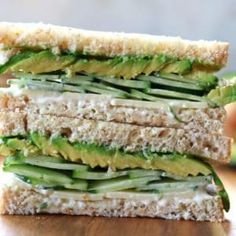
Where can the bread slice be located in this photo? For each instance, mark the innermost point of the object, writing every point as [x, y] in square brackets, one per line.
[104, 108]
[20, 198]
[109, 44]
[131, 138]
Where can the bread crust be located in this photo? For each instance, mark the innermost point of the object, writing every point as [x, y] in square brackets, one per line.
[58, 38]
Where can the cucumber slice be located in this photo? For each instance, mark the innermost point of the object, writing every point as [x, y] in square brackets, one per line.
[76, 78]
[105, 91]
[98, 175]
[126, 83]
[118, 184]
[169, 83]
[43, 77]
[176, 77]
[76, 83]
[143, 96]
[48, 175]
[144, 173]
[204, 80]
[77, 185]
[37, 182]
[54, 163]
[172, 186]
[80, 80]
[54, 86]
[46, 85]
[104, 86]
[207, 178]
[13, 160]
[173, 94]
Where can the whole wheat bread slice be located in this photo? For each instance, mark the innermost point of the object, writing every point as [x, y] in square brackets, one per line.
[58, 38]
[23, 199]
[102, 108]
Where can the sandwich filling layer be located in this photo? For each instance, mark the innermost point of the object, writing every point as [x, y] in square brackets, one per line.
[44, 172]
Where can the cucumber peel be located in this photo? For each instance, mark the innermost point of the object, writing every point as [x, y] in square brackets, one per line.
[221, 192]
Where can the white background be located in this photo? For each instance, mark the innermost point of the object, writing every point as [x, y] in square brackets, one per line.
[192, 19]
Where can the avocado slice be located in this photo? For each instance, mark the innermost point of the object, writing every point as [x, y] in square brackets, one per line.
[6, 151]
[93, 155]
[10, 146]
[178, 67]
[44, 144]
[157, 63]
[130, 67]
[43, 62]
[21, 144]
[14, 60]
[126, 67]
[221, 96]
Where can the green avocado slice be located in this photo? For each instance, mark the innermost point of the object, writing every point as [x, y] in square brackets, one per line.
[178, 67]
[15, 59]
[94, 156]
[126, 67]
[225, 93]
[42, 62]
[221, 96]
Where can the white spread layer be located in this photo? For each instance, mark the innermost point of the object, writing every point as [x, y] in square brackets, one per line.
[42, 95]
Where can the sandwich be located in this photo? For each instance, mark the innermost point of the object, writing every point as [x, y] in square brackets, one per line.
[112, 124]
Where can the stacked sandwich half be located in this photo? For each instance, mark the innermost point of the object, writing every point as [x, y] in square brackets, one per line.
[111, 124]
